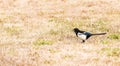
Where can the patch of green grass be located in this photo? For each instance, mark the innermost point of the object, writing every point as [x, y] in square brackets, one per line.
[105, 42]
[61, 21]
[101, 22]
[101, 25]
[40, 42]
[76, 23]
[47, 62]
[114, 36]
[53, 32]
[57, 20]
[12, 52]
[103, 28]
[41, 13]
[52, 51]
[68, 56]
[111, 51]
[13, 30]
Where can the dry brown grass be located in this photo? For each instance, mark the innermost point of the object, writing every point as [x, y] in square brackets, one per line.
[39, 32]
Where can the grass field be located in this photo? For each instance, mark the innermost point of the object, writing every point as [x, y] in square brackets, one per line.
[40, 32]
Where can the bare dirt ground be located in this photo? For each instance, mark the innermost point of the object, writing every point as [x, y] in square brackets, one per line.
[39, 32]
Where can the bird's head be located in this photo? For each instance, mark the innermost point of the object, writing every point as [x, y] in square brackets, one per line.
[76, 30]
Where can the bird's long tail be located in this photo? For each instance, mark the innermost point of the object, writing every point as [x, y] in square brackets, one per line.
[99, 34]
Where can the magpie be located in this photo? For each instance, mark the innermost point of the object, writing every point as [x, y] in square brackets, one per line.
[85, 35]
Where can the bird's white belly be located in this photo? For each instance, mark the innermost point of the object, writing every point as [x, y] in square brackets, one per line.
[82, 36]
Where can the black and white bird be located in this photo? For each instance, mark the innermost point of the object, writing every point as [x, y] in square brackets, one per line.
[85, 35]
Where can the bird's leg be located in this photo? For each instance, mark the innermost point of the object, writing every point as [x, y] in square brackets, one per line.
[83, 41]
